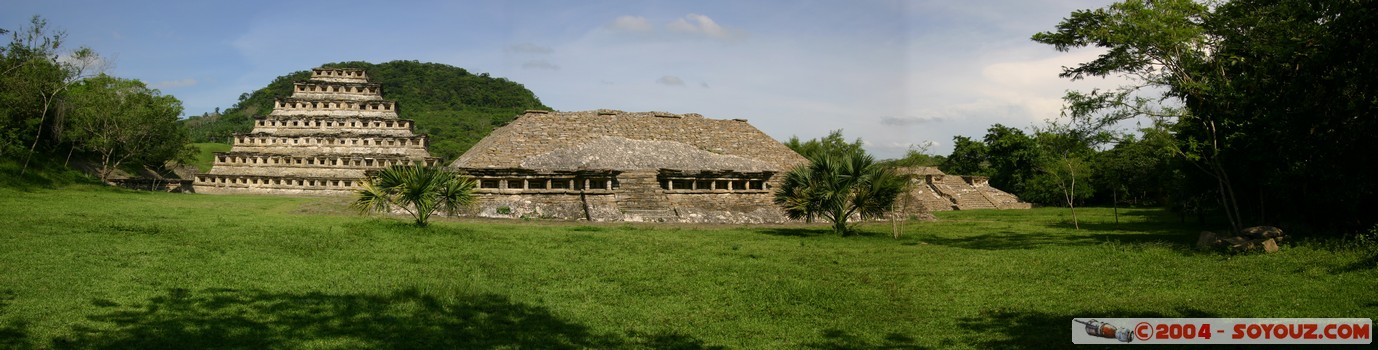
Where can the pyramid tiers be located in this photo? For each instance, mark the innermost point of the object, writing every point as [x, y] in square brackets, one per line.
[322, 140]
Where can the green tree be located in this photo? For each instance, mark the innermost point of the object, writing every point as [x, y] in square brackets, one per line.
[1271, 89]
[1066, 151]
[123, 120]
[33, 80]
[1140, 170]
[969, 157]
[419, 191]
[1014, 158]
[833, 143]
[837, 185]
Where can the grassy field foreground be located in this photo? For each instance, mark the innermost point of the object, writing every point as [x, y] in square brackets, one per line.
[86, 267]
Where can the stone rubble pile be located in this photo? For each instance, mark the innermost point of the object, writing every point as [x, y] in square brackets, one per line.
[1257, 238]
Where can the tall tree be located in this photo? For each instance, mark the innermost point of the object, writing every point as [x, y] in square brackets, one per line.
[833, 143]
[123, 120]
[1014, 158]
[1157, 45]
[969, 157]
[1279, 90]
[1066, 152]
[36, 73]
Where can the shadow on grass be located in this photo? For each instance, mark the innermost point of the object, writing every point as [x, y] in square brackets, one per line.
[835, 339]
[1369, 263]
[1005, 329]
[796, 231]
[13, 333]
[1009, 240]
[228, 318]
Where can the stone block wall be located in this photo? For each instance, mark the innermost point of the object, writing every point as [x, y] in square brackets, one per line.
[562, 205]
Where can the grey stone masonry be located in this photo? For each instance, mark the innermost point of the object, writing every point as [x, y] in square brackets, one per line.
[322, 140]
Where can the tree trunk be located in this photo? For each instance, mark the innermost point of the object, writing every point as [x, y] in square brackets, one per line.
[68, 162]
[42, 118]
[1115, 203]
[1071, 192]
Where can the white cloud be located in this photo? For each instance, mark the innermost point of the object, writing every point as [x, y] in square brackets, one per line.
[700, 25]
[670, 80]
[632, 24]
[1034, 84]
[172, 84]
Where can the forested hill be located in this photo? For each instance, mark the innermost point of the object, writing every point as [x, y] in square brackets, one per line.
[456, 108]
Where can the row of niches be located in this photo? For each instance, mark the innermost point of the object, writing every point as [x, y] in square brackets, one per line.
[712, 185]
[391, 123]
[413, 142]
[338, 73]
[366, 106]
[334, 88]
[276, 181]
[545, 184]
[333, 161]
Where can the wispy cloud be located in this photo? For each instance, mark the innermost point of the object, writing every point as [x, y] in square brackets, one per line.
[529, 48]
[906, 121]
[670, 80]
[699, 25]
[540, 64]
[692, 25]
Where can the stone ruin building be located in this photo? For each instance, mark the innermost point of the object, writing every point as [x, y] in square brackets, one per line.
[320, 141]
[931, 190]
[608, 165]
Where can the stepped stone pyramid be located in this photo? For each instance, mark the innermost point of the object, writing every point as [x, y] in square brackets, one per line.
[322, 140]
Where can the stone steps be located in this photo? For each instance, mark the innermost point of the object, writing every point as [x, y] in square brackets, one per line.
[932, 200]
[963, 194]
[640, 191]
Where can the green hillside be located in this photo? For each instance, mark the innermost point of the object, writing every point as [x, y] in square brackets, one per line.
[455, 107]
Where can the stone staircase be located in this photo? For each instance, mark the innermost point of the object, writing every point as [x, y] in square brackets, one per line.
[641, 199]
[962, 193]
[1004, 200]
[930, 199]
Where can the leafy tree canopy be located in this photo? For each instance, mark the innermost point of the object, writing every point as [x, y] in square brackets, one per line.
[122, 120]
[1272, 101]
[833, 143]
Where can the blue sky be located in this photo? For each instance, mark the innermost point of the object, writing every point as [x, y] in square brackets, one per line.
[895, 73]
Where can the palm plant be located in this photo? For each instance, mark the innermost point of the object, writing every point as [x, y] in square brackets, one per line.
[417, 190]
[837, 186]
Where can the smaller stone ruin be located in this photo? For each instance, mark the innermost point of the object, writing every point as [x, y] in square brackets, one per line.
[931, 190]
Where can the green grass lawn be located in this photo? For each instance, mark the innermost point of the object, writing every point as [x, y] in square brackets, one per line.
[88, 267]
